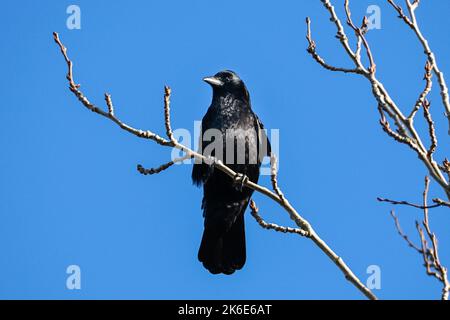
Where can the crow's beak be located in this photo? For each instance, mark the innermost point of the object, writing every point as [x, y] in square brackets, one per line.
[213, 81]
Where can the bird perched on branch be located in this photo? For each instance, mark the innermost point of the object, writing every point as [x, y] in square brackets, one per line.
[232, 133]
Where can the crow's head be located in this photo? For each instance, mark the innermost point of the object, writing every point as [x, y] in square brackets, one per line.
[227, 82]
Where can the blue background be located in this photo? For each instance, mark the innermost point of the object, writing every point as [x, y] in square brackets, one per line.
[70, 193]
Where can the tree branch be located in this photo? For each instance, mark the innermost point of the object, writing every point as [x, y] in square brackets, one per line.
[406, 203]
[429, 254]
[413, 24]
[301, 222]
[162, 167]
[425, 92]
[403, 235]
[272, 226]
[312, 51]
[405, 132]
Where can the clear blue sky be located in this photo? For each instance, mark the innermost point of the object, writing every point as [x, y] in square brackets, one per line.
[70, 193]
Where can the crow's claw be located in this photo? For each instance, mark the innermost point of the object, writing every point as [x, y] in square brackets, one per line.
[239, 181]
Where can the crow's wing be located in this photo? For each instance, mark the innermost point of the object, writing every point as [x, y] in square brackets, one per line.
[264, 147]
[200, 170]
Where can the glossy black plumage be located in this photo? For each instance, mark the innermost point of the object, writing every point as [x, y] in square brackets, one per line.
[222, 248]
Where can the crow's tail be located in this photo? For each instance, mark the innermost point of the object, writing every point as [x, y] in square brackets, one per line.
[222, 249]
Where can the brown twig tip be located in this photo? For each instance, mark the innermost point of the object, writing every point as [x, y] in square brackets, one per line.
[253, 206]
[441, 202]
[109, 104]
[311, 43]
[365, 24]
[152, 171]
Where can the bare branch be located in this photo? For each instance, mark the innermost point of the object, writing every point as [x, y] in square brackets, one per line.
[273, 226]
[109, 103]
[405, 132]
[431, 129]
[169, 133]
[401, 14]
[162, 167]
[312, 51]
[427, 261]
[406, 203]
[301, 222]
[430, 255]
[402, 234]
[274, 176]
[441, 202]
[425, 92]
[397, 136]
[342, 36]
[359, 32]
[413, 24]
[75, 88]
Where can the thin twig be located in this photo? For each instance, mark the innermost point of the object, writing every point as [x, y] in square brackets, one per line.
[401, 14]
[441, 202]
[406, 203]
[162, 167]
[425, 92]
[359, 32]
[402, 234]
[169, 133]
[272, 226]
[431, 130]
[274, 176]
[312, 51]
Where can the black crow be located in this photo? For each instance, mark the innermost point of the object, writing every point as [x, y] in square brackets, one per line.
[240, 142]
